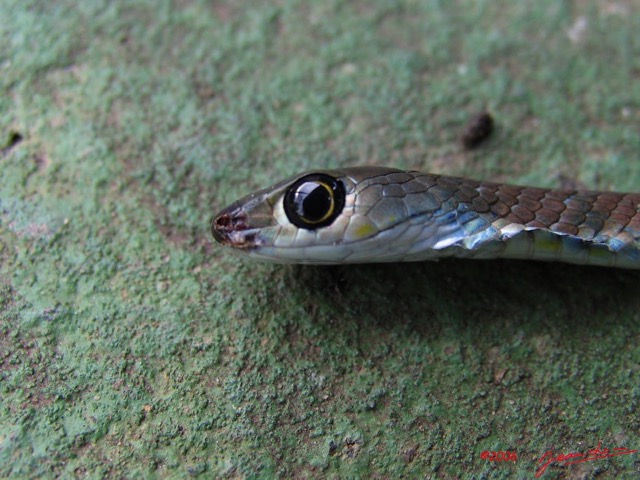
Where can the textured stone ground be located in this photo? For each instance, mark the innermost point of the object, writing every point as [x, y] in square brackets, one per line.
[131, 346]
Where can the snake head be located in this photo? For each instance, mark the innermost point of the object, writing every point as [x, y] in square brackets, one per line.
[327, 217]
[285, 222]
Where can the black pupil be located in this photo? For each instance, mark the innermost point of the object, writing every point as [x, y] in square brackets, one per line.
[312, 201]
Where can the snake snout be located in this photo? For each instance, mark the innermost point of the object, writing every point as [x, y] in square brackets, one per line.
[227, 222]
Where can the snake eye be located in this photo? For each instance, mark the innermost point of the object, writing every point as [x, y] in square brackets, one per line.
[314, 201]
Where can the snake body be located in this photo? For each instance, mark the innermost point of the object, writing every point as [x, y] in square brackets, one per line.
[376, 214]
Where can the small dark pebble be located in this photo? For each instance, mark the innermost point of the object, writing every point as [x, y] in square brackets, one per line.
[14, 139]
[478, 129]
[332, 447]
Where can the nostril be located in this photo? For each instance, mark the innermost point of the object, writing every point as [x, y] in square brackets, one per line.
[222, 222]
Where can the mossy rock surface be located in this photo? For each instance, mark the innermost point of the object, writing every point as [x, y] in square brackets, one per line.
[131, 346]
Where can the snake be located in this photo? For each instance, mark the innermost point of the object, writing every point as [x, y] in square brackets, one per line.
[378, 214]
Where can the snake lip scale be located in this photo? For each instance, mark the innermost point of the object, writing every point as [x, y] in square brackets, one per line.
[379, 214]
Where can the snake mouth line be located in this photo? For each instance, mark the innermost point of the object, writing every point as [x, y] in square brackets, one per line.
[243, 241]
